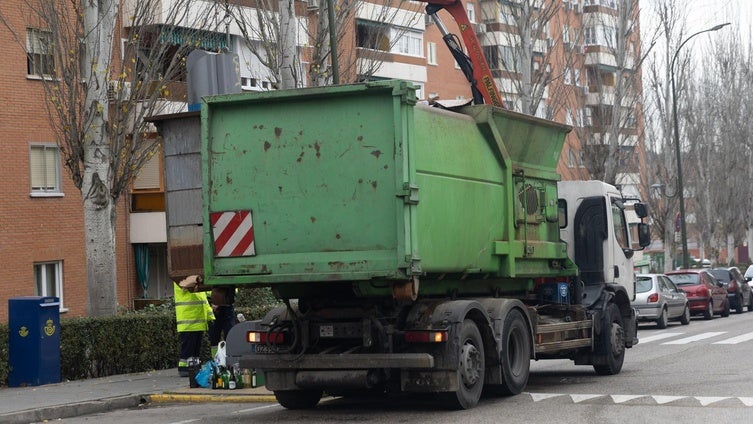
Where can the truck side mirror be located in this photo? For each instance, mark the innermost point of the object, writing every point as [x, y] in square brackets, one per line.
[644, 235]
[640, 209]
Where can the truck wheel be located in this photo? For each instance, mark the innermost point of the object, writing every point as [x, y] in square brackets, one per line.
[470, 372]
[515, 356]
[613, 340]
[298, 399]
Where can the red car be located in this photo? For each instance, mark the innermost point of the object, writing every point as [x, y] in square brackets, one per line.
[706, 295]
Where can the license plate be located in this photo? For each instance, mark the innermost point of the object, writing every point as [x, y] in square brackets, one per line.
[262, 349]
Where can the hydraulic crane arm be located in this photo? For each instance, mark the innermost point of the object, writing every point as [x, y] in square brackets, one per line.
[474, 64]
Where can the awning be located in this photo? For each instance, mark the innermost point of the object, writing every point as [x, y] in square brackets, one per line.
[207, 40]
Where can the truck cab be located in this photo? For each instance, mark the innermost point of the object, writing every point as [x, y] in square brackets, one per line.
[594, 225]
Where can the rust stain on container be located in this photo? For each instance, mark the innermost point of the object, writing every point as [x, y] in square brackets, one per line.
[300, 157]
[313, 219]
[359, 138]
[228, 179]
[337, 265]
[374, 184]
[376, 153]
[278, 132]
[267, 146]
[316, 147]
[337, 236]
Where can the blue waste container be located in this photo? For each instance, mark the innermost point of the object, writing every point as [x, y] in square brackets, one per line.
[34, 340]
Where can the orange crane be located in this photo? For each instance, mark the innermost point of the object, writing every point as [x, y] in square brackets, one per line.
[473, 64]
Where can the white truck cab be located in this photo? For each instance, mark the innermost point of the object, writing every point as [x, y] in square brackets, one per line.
[594, 225]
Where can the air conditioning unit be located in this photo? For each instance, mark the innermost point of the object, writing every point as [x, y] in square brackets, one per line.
[117, 90]
[312, 4]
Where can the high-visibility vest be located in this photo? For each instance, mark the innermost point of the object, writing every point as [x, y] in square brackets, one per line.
[192, 311]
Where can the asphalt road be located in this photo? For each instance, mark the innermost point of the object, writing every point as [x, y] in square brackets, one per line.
[690, 374]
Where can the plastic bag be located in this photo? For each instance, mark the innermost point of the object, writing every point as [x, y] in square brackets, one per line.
[204, 376]
[221, 356]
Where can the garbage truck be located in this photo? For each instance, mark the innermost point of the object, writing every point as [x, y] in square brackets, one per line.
[413, 248]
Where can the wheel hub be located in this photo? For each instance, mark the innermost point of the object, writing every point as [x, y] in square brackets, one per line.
[618, 339]
[470, 364]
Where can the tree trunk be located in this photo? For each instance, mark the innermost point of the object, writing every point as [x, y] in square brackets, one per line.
[99, 210]
[287, 44]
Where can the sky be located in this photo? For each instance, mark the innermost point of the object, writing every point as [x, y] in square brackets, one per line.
[703, 14]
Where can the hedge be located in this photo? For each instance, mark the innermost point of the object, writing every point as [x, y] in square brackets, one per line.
[130, 342]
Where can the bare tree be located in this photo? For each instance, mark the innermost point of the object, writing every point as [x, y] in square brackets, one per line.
[98, 90]
[612, 142]
[378, 27]
[520, 48]
[661, 165]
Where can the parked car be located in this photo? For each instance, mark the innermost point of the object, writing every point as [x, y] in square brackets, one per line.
[706, 295]
[658, 299]
[738, 290]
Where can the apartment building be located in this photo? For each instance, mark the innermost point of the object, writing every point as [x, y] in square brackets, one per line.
[573, 50]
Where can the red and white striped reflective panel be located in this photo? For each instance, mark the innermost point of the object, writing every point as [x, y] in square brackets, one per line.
[233, 233]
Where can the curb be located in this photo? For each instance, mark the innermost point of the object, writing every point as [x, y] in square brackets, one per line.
[73, 410]
[199, 398]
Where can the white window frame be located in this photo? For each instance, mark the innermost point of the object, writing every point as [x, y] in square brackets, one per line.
[431, 53]
[569, 117]
[40, 287]
[408, 42]
[470, 9]
[568, 76]
[50, 188]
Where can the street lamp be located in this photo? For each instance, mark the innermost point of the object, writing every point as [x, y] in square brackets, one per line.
[681, 193]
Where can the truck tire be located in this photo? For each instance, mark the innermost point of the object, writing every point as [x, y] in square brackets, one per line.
[515, 356]
[613, 342]
[470, 373]
[298, 399]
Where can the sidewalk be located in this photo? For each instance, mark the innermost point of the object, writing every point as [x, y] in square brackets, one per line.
[82, 397]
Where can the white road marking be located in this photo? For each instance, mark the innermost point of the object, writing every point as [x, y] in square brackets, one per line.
[735, 340]
[662, 336]
[695, 338]
[242, 411]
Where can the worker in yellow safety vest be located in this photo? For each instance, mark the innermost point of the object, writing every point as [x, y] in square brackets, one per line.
[192, 315]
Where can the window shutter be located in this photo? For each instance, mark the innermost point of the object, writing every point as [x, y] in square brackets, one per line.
[149, 175]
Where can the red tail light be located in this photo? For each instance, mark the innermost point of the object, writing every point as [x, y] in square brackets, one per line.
[426, 336]
[653, 298]
[265, 337]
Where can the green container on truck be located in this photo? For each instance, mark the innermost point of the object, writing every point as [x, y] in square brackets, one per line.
[415, 249]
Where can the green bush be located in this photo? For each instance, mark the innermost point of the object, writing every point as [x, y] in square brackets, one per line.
[134, 341]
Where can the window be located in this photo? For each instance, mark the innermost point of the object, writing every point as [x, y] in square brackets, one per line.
[409, 43]
[568, 76]
[39, 56]
[569, 117]
[431, 53]
[471, 10]
[372, 35]
[48, 280]
[571, 158]
[149, 176]
[576, 77]
[620, 226]
[44, 163]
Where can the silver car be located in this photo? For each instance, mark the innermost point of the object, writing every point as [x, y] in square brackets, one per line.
[658, 299]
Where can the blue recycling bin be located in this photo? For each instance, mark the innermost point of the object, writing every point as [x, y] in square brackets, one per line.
[34, 340]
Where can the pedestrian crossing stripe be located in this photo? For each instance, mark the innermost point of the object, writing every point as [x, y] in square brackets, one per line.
[729, 401]
[739, 339]
[696, 338]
